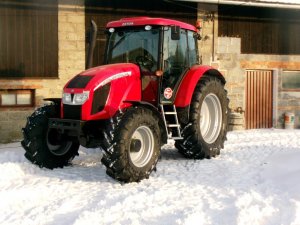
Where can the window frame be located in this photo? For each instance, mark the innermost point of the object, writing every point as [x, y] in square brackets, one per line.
[16, 92]
[282, 79]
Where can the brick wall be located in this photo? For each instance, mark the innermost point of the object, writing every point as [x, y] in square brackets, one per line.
[71, 38]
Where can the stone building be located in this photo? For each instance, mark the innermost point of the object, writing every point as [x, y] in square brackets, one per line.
[255, 45]
[43, 45]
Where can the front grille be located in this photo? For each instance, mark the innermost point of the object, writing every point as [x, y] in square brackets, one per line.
[72, 112]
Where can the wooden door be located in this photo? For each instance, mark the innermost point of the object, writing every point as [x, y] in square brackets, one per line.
[259, 99]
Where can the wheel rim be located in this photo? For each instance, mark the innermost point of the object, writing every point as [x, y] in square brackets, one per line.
[56, 143]
[210, 118]
[141, 146]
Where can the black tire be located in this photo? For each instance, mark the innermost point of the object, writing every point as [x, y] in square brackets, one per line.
[209, 93]
[129, 159]
[44, 147]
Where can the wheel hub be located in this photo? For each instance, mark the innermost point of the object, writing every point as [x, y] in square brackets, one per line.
[135, 145]
[141, 146]
[210, 118]
[56, 144]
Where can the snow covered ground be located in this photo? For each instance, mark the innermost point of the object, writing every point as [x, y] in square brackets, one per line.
[255, 180]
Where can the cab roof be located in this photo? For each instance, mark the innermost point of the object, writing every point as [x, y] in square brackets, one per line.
[142, 21]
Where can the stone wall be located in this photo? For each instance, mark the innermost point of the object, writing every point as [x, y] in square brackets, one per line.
[71, 39]
[224, 53]
[283, 101]
[234, 66]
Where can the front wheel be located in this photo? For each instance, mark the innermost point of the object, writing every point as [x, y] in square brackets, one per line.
[205, 134]
[47, 147]
[134, 147]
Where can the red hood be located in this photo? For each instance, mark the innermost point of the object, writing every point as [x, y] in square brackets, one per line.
[102, 73]
[106, 73]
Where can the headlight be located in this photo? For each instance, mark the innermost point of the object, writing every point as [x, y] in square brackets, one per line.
[67, 99]
[78, 99]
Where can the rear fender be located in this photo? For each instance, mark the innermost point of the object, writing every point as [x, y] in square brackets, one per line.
[189, 82]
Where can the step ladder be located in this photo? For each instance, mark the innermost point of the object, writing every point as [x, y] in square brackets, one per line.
[169, 113]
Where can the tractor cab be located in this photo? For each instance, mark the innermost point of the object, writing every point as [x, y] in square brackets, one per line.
[163, 49]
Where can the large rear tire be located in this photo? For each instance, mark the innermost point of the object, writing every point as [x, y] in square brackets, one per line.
[47, 147]
[133, 145]
[205, 134]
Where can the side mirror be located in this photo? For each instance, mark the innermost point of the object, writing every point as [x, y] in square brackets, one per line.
[175, 32]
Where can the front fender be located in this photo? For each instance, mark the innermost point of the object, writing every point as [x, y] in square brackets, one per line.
[189, 82]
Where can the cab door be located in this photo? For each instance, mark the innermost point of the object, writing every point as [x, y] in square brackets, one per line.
[178, 57]
[175, 62]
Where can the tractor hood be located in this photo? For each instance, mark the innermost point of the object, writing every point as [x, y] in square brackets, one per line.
[96, 77]
[99, 92]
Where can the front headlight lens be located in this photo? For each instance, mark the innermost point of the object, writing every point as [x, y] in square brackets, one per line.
[77, 99]
[67, 99]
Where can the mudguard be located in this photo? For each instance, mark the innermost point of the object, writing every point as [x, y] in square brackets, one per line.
[189, 82]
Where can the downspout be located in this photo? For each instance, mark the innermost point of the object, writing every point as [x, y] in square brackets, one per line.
[213, 38]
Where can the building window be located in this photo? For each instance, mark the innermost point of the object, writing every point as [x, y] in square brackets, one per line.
[29, 39]
[291, 80]
[17, 98]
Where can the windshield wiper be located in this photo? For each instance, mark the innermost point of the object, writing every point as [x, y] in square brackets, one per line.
[121, 40]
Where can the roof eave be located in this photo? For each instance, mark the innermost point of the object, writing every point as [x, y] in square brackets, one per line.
[249, 3]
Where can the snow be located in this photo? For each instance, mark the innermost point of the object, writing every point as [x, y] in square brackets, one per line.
[255, 180]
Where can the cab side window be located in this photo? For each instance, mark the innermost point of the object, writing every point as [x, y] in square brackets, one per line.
[175, 57]
[192, 51]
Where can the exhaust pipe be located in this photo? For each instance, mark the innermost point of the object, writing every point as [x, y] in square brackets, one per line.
[92, 38]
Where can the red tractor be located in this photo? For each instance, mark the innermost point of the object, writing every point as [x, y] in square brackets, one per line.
[150, 89]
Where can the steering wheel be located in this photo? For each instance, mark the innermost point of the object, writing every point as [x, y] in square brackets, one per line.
[145, 61]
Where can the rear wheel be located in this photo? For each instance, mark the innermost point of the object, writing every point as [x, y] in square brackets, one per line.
[133, 145]
[47, 147]
[205, 134]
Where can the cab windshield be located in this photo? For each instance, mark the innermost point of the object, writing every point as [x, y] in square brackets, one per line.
[138, 46]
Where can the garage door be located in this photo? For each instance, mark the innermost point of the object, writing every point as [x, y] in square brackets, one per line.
[259, 99]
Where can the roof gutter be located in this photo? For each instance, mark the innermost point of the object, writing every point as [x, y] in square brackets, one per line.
[266, 3]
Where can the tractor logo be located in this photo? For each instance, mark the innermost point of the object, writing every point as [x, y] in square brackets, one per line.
[127, 24]
[168, 93]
